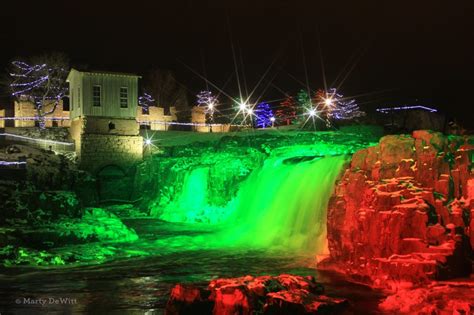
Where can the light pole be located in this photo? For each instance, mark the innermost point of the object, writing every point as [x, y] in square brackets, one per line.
[272, 119]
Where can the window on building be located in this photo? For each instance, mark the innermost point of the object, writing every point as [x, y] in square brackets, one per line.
[66, 104]
[123, 97]
[96, 95]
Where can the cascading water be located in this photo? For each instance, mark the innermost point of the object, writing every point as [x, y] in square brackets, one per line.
[281, 205]
[191, 200]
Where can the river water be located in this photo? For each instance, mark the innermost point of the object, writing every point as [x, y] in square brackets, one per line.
[277, 224]
[141, 285]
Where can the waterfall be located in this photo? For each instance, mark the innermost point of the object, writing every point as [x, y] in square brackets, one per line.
[191, 201]
[283, 205]
[280, 206]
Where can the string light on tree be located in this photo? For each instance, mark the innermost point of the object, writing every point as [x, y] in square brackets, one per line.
[43, 83]
[145, 101]
[210, 102]
[264, 114]
[334, 106]
[286, 112]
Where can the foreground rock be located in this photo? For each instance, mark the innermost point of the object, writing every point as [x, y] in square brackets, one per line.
[437, 298]
[284, 294]
[403, 213]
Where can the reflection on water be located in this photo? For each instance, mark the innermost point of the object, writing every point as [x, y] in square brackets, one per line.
[141, 285]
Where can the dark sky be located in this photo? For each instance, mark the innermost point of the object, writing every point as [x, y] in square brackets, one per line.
[399, 51]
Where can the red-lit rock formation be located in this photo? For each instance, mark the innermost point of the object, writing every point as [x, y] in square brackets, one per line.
[403, 212]
[436, 298]
[284, 294]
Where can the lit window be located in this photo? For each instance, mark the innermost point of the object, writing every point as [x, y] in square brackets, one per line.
[123, 97]
[96, 95]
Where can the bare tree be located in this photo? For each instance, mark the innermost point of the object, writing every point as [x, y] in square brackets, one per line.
[166, 90]
[41, 80]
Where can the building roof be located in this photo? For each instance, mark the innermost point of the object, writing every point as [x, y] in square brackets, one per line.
[99, 72]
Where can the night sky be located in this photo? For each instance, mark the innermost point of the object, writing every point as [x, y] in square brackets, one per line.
[389, 54]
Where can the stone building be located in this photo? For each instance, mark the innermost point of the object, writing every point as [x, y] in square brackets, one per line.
[103, 108]
[25, 113]
[154, 118]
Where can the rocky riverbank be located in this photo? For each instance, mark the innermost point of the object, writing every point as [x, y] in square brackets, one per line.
[402, 216]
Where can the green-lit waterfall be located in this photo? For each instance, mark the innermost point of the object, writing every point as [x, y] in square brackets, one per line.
[281, 205]
[284, 203]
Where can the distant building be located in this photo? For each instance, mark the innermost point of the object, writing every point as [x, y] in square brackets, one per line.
[103, 107]
[407, 118]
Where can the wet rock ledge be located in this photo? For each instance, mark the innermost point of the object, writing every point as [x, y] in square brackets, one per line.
[283, 294]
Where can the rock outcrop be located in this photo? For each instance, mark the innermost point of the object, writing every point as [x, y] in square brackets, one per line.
[284, 294]
[437, 298]
[403, 212]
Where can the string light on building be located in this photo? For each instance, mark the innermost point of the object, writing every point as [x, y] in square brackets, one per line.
[12, 163]
[36, 139]
[160, 122]
[386, 110]
[35, 118]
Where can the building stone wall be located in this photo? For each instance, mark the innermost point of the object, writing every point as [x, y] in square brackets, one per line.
[75, 131]
[155, 115]
[2, 122]
[98, 151]
[110, 126]
[27, 109]
[97, 147]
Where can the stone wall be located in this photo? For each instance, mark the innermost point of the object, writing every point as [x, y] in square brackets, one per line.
[98, 146]
[156, 117]
[403, 213]
[198, 115]
[97, 151]
[75, 131]
[27, 109]
[2, 122]
[109, 126]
